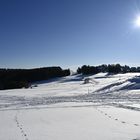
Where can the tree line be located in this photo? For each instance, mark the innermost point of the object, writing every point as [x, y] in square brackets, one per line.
[111, 68]
[19, 78]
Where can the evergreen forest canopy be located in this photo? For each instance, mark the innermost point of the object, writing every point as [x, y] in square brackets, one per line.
[19, 78]
[112, 69]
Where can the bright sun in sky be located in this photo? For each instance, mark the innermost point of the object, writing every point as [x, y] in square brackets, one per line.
[137, 21]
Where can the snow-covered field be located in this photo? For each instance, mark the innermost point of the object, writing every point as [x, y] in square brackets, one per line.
[106, 108]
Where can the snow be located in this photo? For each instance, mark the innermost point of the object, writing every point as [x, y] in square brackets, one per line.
[106, 108]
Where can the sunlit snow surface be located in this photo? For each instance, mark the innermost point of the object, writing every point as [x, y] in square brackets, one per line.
[106, 108]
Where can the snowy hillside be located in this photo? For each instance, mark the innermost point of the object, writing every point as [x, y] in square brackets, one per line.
[97, 107]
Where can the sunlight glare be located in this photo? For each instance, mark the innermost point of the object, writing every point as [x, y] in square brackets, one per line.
[137, 21]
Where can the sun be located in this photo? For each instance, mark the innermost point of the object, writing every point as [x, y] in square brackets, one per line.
[137, 21]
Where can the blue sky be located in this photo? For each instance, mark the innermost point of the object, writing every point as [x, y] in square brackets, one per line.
[68, 33]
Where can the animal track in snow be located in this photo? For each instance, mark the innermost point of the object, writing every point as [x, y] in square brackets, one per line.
[116, 119]
[136, 124]
[20, 128]
[123, 122]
